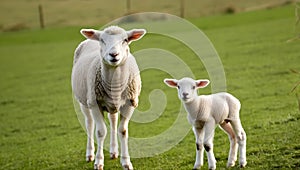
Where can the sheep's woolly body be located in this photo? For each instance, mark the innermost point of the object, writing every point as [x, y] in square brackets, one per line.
[99, 85]
[105, 77]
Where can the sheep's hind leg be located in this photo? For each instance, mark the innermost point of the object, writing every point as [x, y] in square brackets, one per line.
[101, 134]
[90, 127]
[126, 113]
[241, 139]
[113, 119]
[232, 157]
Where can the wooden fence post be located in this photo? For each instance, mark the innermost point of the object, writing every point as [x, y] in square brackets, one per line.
[41, 15]
[182, 6]
[128, 6]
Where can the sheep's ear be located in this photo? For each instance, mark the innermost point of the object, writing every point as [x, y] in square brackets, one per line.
[135, 34]
[171, 82]
[202, 83]
[91, 34]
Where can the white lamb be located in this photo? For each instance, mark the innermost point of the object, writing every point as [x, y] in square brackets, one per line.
[105, 77]
[204, 113]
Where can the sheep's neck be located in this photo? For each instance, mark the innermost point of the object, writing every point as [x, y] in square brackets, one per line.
[114, 79]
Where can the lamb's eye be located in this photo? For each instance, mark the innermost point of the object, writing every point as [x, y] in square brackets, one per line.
[178, 87]
[102, 41]
[193, 87]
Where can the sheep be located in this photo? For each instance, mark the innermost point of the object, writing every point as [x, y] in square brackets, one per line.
[105, 77]
[207, 111]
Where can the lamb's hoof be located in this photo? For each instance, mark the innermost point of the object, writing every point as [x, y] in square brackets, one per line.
[230, 165]
[114, 155]
[90, 158]
[128, 167]
[212, 168]
[98, 167]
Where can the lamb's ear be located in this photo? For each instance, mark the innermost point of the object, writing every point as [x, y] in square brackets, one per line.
[91, 34]
[202, 83]
[171, 82]
[135, 34]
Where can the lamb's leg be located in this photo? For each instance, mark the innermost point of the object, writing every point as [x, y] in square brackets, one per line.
[100, 133]
[209, 130]
[90, 127]
[241, 139]
[113, 119]
[199, 134]
[126, 113]
[233, 143]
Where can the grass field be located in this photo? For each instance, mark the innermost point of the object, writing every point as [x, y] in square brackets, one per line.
[39, 128]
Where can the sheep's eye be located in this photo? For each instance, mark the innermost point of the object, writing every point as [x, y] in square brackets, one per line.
[178, 87]
[125, 41]
[193, 87]
[102, 41]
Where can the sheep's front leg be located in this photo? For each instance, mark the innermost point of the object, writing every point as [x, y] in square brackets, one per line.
[126, 113]
[113, 120]
[199, 147]
[209, 130]
[90, 127]
[101, 134]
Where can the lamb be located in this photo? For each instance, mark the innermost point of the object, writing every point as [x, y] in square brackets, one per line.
[204, 113]
[105, 77]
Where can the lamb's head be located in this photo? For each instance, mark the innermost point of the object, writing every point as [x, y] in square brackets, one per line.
[187, 87]
[114, 42]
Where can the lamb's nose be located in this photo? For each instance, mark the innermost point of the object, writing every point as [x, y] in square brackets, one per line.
[113, 54]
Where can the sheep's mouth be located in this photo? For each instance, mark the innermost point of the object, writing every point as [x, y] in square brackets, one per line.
[114, 60]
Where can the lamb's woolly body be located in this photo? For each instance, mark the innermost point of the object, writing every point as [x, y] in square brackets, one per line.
[221, 106]
[204, 113]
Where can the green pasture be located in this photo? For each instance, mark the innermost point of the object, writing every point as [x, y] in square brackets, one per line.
[39, 128]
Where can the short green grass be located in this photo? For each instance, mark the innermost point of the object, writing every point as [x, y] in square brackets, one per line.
[39, 128]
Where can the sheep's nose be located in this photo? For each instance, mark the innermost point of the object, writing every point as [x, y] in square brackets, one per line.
[185, 94]
[113, 54]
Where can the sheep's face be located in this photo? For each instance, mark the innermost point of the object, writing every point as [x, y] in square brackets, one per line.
[114, 42]
[187, 87]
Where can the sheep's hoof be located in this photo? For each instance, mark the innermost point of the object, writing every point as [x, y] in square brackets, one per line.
[243, 164]
[90, 158]
[127, 167]
[114, 155]
[98, 167]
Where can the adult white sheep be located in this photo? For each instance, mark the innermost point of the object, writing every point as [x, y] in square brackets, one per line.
[204, 112]
[105, 77]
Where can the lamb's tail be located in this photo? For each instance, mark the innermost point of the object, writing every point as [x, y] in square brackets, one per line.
[234, 107]
[78, 51]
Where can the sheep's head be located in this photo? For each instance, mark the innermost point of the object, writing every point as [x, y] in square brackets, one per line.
[114, 42]
[187, 87]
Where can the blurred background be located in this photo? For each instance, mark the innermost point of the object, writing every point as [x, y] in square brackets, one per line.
[25, 14]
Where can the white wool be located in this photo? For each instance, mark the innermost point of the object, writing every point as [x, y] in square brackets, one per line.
[207, 111]
[105, 77]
